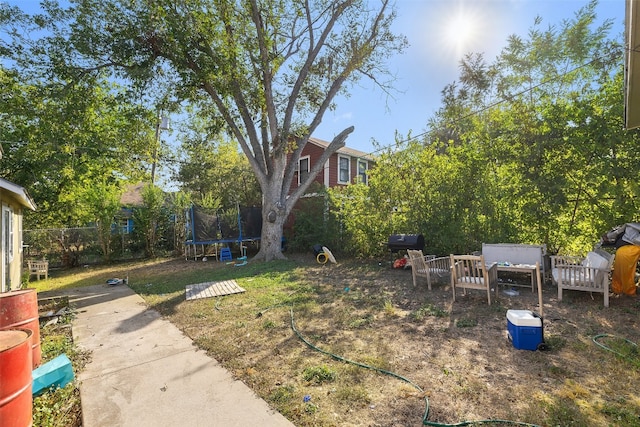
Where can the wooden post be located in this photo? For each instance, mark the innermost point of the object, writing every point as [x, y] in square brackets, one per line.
[539, 288]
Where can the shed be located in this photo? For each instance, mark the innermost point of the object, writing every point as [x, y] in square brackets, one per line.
[14, 199]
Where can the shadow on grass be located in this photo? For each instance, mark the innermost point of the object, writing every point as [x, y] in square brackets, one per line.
[340, 308]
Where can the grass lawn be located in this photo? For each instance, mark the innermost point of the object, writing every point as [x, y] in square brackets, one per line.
[355, 344]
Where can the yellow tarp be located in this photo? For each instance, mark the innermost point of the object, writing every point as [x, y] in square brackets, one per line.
[624, 270]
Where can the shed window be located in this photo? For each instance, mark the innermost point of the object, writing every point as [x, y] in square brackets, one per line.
[8, 221]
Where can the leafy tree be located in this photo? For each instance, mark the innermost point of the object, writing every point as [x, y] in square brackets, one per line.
[59, 133]
[214, 166]
[558, 153]
[56, 137]
[148, 220]
[529, 148]
[547, 138]
[100, 204]
[180, 202]
[270, 69]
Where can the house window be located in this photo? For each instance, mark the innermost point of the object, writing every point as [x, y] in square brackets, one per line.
[362, 171]
[303, 169]
[124, 225]
[343, 170]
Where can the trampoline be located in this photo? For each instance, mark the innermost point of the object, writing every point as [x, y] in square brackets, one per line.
[208, 231]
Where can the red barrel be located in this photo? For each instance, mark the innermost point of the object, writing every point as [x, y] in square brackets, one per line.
[16, 401]
[19, 310]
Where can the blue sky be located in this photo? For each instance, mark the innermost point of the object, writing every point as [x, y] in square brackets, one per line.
[434, 31]
[431, 61]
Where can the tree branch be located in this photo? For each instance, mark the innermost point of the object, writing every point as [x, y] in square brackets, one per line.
[337, 143]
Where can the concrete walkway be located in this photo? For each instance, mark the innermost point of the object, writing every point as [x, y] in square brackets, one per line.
[145, 372]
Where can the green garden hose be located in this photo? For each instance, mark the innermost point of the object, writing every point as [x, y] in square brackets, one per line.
[624, 356]
[400, 377]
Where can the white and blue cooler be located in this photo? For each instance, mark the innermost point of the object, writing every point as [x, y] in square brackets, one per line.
[524, 329]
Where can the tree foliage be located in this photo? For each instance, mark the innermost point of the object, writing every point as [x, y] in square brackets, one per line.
[529, 148]
[57, 137]
[101, 203]
[150, 219]
[180, 201]
[270, 69]
[214, 167]
[60, 133]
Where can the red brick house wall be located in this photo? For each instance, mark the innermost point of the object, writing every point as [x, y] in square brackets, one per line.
[329, 176]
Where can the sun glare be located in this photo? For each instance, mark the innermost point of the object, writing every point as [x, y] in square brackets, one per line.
[461, 27]
[461, 31]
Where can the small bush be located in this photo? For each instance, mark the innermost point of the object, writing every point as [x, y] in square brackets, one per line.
[429, 310]
[466, 323]
[389, 309]
[282, 394]
[319, 374]
[353, 394]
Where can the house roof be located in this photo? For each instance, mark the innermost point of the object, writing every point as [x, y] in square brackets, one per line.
[344, 150]
[133, 195]
[19, 192]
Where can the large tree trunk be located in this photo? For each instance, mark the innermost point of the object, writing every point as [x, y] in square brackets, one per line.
[271, 240]
[274, 214]
[277, 204]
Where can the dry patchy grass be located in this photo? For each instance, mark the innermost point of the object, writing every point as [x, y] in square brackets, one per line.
[410, 345]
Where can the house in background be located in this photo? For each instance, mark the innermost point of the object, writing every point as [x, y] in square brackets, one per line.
[130, 199]
[345, 166]
[14, 200]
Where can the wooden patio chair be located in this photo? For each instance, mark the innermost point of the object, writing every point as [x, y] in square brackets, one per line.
[38, 268]
[427, 266]
[470, 272]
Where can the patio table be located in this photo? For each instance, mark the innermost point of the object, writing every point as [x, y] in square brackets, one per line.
[533, 269]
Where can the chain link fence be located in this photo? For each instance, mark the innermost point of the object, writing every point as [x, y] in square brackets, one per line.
[72, 247]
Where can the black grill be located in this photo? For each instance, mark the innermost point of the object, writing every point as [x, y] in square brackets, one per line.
[399, 242]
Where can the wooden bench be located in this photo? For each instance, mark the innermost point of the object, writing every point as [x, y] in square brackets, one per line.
[38, 268]
[590, 274]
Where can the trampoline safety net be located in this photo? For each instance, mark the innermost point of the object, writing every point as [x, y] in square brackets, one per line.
[234, 225]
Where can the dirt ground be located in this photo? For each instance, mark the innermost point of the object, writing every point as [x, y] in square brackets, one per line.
[417, 352]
